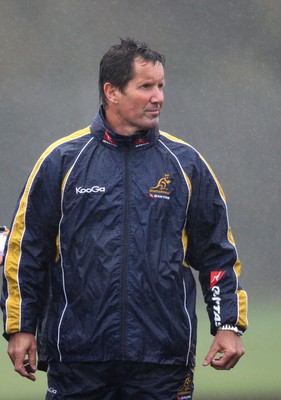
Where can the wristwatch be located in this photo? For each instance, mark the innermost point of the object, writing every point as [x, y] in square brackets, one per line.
[228, 327]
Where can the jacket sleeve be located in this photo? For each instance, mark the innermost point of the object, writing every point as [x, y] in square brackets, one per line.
[31, 246]
[212, 251]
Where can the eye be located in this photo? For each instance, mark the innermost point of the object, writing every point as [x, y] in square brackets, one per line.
[146, 85]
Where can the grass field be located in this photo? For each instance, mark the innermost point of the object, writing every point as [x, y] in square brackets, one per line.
[256, 377]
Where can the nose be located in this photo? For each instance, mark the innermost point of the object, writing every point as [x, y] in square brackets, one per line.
[157, 95]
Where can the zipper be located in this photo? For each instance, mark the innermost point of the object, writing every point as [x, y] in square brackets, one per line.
[125, 250]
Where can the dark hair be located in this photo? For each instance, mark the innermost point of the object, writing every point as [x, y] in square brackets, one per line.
[116, 66]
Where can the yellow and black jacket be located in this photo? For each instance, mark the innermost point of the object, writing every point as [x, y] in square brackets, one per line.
[101, 246]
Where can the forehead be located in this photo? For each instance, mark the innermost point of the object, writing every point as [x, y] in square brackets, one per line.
[144, 69]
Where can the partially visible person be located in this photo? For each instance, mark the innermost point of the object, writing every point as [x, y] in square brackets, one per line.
[3, 237]
[99, 259]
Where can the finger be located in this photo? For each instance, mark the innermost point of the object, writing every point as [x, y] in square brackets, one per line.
[25, 370]
[30, 371]
[28, 368]
[32, 359]
[22, 366]
[210, 356]
[30, 364]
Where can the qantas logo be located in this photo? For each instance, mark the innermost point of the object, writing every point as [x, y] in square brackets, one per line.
[108, 139]
[217, 305]
[141, 142]
[215, 277]
[93, 189]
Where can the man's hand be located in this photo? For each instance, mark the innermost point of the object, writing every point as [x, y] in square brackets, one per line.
[22, 352]
[231, 348]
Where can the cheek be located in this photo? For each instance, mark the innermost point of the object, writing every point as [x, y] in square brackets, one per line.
[136, 107]
[142, 103]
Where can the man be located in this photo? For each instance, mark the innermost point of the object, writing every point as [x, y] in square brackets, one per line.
[99, 256]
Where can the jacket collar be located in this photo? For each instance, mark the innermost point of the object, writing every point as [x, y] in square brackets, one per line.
[104, 133]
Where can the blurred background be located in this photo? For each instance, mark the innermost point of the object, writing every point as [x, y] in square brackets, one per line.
[223, 96]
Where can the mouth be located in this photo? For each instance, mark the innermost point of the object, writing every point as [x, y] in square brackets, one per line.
[154, 112]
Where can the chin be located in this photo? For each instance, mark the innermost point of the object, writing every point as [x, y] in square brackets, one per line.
[147, 124]
[152, 124]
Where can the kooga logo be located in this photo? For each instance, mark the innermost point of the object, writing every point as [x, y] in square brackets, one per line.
[93, 189]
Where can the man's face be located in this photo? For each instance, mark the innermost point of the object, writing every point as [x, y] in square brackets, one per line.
[139, 105]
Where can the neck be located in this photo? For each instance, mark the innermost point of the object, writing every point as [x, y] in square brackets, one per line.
[117, 126]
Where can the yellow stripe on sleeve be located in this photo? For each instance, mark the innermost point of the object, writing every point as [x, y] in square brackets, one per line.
[243, 309]
[13, 256]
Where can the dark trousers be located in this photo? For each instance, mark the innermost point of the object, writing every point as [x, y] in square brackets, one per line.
[119, 380]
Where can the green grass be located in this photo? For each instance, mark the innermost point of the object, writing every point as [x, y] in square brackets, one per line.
[256, 376]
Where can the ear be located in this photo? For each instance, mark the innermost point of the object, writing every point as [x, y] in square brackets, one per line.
[111, 92]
